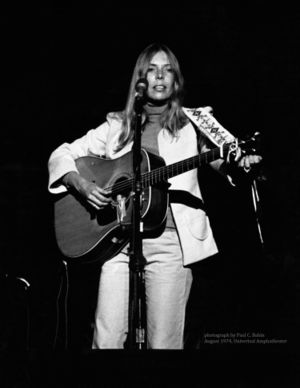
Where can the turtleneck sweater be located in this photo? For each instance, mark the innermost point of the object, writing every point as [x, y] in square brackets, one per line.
[149, 141]
[152, 127]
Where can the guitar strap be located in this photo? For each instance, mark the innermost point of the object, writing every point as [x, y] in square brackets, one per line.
[209, 126]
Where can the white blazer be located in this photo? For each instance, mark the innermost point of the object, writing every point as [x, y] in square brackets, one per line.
[192, 224]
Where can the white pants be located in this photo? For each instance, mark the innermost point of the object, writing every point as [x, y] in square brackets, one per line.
[167, 285]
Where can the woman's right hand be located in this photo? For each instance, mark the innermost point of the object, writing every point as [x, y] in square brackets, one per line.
[95, 195]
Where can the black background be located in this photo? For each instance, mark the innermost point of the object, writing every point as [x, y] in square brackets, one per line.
[63, 69]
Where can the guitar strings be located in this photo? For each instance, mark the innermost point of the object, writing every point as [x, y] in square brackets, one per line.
[159, 173]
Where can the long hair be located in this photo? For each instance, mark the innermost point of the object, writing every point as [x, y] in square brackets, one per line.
[173, 118]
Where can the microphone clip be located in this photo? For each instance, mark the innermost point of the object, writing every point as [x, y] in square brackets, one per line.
[141, 88]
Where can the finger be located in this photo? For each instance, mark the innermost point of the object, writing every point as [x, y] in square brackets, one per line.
[93, 204]
[241, 163]
[99, 200]
[257, 158]
[238, 154]
[209, 109]
[247, 162]
[95, 201]
[254, 159]
[100, 196]
[105, 192]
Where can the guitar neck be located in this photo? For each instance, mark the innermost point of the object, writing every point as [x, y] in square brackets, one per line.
[164, 173]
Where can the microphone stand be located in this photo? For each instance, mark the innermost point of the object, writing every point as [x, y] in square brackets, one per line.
[137, 333]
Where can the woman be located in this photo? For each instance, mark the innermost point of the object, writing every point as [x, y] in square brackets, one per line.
[187, 237]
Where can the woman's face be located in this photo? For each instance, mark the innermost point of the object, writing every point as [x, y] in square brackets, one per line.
[160, 76]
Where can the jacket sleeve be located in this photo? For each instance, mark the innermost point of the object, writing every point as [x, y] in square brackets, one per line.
[62, 159]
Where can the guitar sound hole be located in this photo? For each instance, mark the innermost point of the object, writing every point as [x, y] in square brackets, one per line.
[106, 216]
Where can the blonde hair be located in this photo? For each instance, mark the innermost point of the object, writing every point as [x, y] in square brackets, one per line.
[173, 118]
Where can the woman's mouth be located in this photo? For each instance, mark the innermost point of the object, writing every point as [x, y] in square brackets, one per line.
[159, 88]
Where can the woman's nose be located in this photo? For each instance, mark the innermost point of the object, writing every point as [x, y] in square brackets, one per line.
[159, 74]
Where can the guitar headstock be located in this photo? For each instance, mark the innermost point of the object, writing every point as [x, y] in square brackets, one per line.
[251, 145]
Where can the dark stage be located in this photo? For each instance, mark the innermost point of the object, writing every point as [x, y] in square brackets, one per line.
[64, 70]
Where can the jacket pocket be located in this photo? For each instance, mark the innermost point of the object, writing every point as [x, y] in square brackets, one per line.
[197, 223]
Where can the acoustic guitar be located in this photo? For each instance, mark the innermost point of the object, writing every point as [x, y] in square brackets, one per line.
[86, 234]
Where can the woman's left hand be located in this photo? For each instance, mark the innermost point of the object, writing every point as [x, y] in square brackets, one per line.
[246, 161]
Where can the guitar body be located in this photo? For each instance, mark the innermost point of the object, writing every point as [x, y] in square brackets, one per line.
[86, 234]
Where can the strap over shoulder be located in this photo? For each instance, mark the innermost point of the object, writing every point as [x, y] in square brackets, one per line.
[209, 126]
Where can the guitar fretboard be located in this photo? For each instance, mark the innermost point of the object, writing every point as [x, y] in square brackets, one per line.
[163, 173]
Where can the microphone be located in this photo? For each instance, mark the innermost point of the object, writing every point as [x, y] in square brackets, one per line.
[141, 87]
